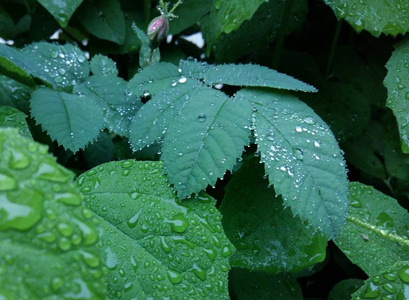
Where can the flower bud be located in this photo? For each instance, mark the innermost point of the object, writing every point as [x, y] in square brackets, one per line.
[158, 29]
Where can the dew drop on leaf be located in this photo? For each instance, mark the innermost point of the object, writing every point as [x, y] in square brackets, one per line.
[201, 117]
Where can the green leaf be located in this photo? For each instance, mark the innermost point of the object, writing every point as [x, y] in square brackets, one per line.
[301, 157]
[375, 16]
[10, 69]
[104, 19]
[226, 16]
[345, 288]
[188, 14]
[14, 94]
[397, 83]
[72, 120]
[61, 10]
[100, 151]
[47, 237]
[267, 237]
[118, 104]
[11, 117]
[155, 246]
[60, 66]
[154, 79]
[375, 235]
[242, 75]
[258, 32]
[102, 65]
[147, 54]
[390, 283]
[247, 285]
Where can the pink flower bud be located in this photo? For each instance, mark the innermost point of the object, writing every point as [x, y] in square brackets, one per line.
[158, 29]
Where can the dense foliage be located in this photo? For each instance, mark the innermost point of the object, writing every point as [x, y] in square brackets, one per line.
[270, 163]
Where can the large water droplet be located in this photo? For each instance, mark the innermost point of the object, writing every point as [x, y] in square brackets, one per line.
[174, 277]
[201, 117]
[7, 182]
[179, 223]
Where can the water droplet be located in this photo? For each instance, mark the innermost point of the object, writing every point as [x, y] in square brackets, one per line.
[133, 221]
[54, 54]
[201, 117]
[309, 120]
[199, 272]
[404, 274]
[179, 223]
[317, 143]
[61, 71]
[182, 79]
[7, 182]
[18, 160]
[298, 129]
[174, 277]
[226, 251]
[58, 79]
[298, 153]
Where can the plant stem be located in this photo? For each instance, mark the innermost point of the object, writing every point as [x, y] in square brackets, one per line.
[147, 7]
[333, 47]
[281, 32]
[175, 6]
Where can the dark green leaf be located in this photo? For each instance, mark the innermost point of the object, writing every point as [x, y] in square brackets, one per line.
[261, 286]
[102, 65]
[104, 19]
[100, 151]
[47, 237]
[301, 157]
[72, 120]
[397, 83]
[266, 235]
[118, 104]
[60, 66]
[156, 247]
[375, 16]
[345, 288]
[61, 10]
[375, 235]
[189, 13]
[11, 117]
[389, 283]
[15, 94]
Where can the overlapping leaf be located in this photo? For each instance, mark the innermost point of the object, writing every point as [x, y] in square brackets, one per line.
[47, 237]
[345, 288]
[397, 83]
[391, 282]
[375, 235]
[11, 117]
[72, 120]
[375, 16]
[59, 66]
[61, 10]
[15, 94]
[154, 246]
[102, 65]
[266, 235]
[189, 14]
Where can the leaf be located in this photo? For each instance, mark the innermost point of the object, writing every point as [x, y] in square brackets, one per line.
[104, 19]
[118, 104]
[154, 245]
[99, 152]
[102, 65]
[242, 75]
[261, 286]
[226, 16]
[376, 16]
[147, 54]
[397, 84]
[11, 117]
[61, 10]
[345, 288]
[47, 237]
[258, 32]
[266, 235]
[188, 14]
[14, 94]
[375, 235]
[72, 120]
[390, 283]
[60, 66]
[301, 157]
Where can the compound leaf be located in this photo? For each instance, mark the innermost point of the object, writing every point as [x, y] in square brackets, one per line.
[266, 235]
[375, 16]
[60, 66]
[243, 75]
[301, 158]
[47, 237]
[104, 19]
[61, 10]
[155, 246]
[397, 84]
[389, 283]
[72, 120]
[375, 235]
[11, 117]
[117, 103]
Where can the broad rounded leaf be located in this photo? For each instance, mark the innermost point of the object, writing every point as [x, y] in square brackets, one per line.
[47, 237]
[397, 83]
[72, 120]
[61, 10]
[302, 159]
[375, 235]
[266, 235]
[390, 283]
[11, 117]
[156, 247]
[374, 16]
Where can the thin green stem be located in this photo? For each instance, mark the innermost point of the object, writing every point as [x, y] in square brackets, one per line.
[281, 32]
[331, 54]
[175, 6]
